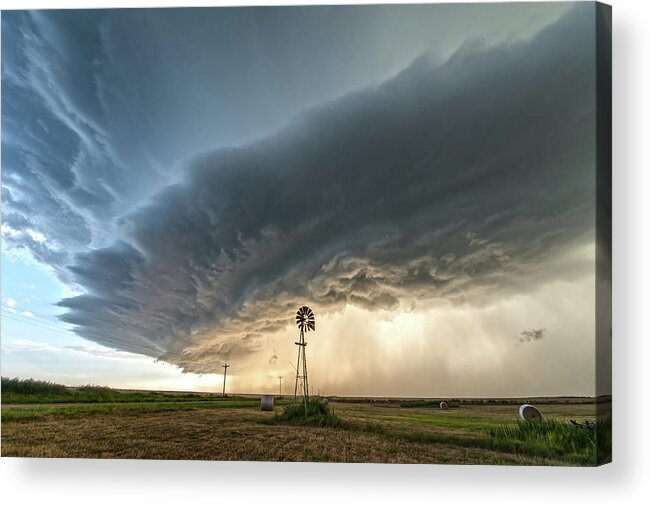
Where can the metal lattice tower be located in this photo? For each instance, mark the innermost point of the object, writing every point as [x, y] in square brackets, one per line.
[305, 323]
[225, 366]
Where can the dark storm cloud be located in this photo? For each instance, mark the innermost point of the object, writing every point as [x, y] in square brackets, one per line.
[457, 182]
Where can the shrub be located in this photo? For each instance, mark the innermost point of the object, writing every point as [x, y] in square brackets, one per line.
[317, 413]
[31, 386]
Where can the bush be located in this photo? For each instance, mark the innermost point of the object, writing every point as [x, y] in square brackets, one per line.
[29, 391]
[318, 413]
[31, 387]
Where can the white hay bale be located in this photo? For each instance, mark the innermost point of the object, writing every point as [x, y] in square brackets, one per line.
[529, 412]
[443, 405]
[267, 403]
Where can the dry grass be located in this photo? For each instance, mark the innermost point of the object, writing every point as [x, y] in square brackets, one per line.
[371, 433]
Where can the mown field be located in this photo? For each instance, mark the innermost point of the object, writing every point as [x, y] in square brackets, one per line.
[154, 425]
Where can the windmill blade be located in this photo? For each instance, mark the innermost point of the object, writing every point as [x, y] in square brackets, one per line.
[305, 319]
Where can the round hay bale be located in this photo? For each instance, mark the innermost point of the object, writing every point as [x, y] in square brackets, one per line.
[267, 403]
[529, 412]
[443, 405]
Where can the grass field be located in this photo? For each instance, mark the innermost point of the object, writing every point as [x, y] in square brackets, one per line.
[177, 426]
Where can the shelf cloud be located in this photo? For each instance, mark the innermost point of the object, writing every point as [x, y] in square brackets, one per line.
[456, 182]
[191, 197]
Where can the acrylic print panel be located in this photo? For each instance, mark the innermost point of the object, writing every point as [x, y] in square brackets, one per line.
[344, 234]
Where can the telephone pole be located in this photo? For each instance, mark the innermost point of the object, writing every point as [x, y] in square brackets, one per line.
[280, 378]
[225, 366]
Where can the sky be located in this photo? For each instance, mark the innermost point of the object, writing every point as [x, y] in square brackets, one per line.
[177, 182]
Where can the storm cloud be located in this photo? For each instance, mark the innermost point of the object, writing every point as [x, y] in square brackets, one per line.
[459, 182]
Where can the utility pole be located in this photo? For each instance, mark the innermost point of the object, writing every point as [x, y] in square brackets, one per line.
[280, 378]
[225, 366]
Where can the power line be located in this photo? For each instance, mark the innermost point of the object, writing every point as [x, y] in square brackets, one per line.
[32, 320]
[52, 325]
[43, 316]
[33, 324]
[26, 320]
[36, 321]
[46, 326]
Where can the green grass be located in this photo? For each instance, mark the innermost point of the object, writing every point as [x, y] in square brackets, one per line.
[483, 434]
[490, 431]
[548, 438]
[604, 439]
[317, 413]
[490, 428]
[452, 403]
[550, 443]
[17, 414]
[30, 391]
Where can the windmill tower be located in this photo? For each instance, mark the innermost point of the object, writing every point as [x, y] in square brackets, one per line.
[305, 323]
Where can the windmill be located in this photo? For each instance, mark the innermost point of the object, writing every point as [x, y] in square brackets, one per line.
[305, 323]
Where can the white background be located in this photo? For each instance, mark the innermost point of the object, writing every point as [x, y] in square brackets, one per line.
[626, 481]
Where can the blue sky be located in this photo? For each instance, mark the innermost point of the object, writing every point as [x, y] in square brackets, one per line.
[176, 182]
[36, 344]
